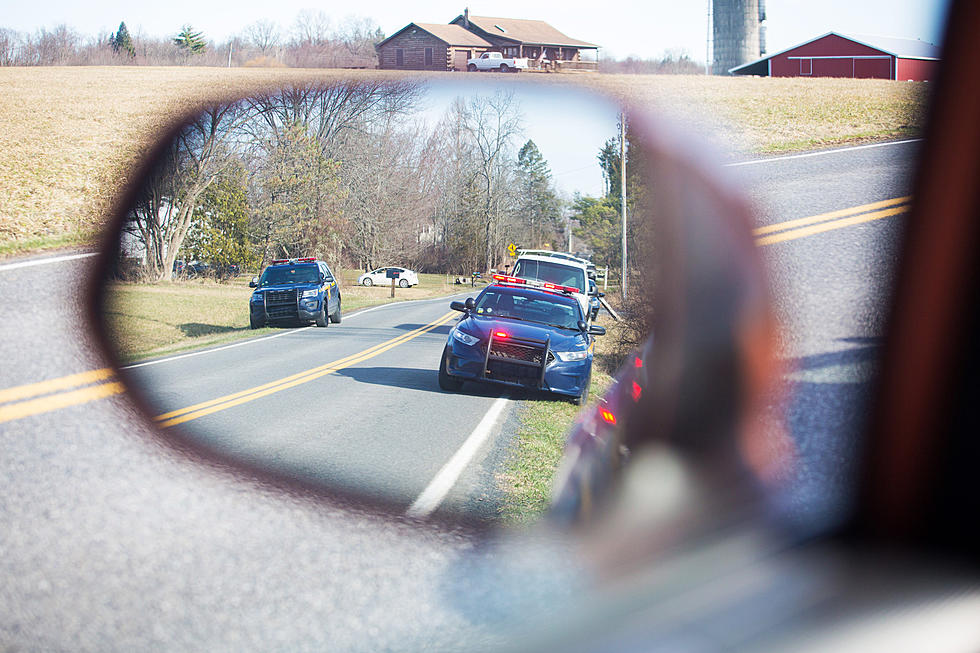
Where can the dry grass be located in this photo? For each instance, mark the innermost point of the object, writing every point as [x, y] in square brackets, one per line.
[71, 138]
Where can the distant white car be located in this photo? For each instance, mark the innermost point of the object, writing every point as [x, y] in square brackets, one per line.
[379, 277]
[496, 61]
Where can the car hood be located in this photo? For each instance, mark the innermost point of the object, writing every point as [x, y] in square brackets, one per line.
[561, 339]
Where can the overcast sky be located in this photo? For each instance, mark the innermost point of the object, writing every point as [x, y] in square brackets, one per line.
[646, 28]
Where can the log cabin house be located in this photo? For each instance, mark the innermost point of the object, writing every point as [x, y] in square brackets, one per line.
[427, 46]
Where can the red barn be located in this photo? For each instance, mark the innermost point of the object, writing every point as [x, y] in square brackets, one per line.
[838, 55]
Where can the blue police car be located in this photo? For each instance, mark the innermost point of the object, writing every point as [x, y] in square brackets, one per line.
[291, 291]
[524, 333]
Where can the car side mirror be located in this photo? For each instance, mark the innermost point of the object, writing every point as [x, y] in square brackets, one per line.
[582, 326]
[254, 283]
[600, 294]
[595, 330]
[470, 303]
[458, 306]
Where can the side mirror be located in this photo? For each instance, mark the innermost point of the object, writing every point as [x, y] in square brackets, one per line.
[595, 330]
[470, 303]
[458, 306]
[254, 283]
[600, 294]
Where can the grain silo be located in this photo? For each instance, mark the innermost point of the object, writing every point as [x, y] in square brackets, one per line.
[737, 33]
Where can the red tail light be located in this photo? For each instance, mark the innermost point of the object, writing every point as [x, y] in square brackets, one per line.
[637, 391]
[500, 334]
[606, 415]
[637, 362]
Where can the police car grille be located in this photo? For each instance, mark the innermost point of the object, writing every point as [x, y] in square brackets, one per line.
[280, 303]
[511, 351]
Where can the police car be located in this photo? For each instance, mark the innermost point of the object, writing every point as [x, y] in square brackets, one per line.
[524, 333]
[291, 291]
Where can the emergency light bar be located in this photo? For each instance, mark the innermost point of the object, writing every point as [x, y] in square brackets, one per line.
[534, 283]
[280, 261]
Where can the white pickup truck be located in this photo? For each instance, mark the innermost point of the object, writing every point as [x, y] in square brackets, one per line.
[496, 61]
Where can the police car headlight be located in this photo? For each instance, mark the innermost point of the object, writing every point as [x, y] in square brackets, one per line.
[569, 356]
[313, 292]
[256, 298]
[465, 338]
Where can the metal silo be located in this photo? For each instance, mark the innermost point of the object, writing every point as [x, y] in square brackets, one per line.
[736, 27]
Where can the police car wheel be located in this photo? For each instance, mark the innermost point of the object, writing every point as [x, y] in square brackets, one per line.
[403, 283]
[335, 318]
[321, 318]
[367, 282]
[447, 382]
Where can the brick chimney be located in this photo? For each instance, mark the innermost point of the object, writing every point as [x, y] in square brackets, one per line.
[466, 17]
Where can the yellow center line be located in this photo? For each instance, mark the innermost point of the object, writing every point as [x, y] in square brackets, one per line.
[229, 401]
[802, 232]
[842, 213]
[52, 385]
[59, 401]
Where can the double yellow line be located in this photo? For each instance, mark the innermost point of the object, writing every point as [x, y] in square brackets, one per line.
[55, 394]
[815, 224]
[251, 394]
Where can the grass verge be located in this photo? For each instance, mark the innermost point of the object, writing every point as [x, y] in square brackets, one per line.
[525, 482]
[147, 320]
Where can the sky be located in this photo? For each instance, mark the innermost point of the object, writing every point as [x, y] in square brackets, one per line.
[573, 163]
[644, 28]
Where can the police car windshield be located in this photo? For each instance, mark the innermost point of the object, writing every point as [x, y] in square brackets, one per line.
[552, 272]
[557, 311]
[290, 274]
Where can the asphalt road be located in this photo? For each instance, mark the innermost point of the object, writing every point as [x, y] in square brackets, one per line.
[113, 540]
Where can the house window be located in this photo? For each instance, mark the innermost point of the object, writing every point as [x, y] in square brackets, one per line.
[399, 57]
[428, 56]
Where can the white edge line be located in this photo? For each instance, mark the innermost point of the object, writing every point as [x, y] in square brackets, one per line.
[277, 335]
[821, 153]
[45, 261]
[209, 351]
[442, 483]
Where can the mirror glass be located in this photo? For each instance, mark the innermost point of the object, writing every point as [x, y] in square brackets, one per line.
[335, 381]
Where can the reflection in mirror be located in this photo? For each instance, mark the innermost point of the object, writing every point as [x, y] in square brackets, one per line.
[323, 374]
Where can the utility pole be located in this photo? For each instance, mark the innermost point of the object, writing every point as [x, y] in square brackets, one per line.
[622, 191]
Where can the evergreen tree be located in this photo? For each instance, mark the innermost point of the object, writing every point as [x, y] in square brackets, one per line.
[540, 209]
[122, 41]
[219, 232]
[190, 41]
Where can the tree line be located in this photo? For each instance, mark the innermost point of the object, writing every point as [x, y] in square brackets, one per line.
[314, 39]
[349, 172]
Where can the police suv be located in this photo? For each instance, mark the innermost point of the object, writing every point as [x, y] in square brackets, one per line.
[292, 291]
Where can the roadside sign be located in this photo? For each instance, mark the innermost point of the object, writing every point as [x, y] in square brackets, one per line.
[512, 250]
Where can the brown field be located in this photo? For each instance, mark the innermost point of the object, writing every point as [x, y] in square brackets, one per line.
[72, 137]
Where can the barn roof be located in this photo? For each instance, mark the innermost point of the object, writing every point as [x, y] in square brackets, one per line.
[448, 34]
[533, 32]
[901, 48]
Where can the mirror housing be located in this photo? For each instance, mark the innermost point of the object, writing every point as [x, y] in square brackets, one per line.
[254, 283]
[470, 303]
[458, 306]
[596, 330]
[582, 326]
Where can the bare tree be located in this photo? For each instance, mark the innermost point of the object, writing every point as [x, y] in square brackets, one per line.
[263, 35]
[162, 215]
[492, 123]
